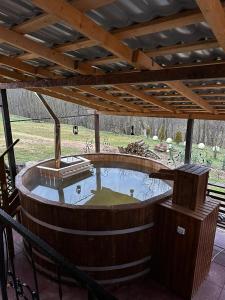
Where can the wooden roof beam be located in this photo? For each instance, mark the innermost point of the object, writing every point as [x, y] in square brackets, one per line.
[153, 26]
[93, 31]
[160, 24]
[145, 98]
[89, 28]
[109, 97]
[20, 41]
[84, 99]
[44, 19]
[66, 12]
[214, 15]
[182, 48]
[13, 75]
[52, 93]
[165, 114]
[167, 50]
[168, 76]
[15, 63]
[18, 65]
[188, 93]
[66, 94]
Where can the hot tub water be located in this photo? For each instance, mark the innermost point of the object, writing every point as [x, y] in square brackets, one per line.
[102, 186]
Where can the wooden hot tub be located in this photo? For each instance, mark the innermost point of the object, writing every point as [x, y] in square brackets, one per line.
[113, 243]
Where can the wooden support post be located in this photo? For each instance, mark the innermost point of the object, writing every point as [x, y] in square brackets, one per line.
[188, 146]
[8, 133]
[97, 134]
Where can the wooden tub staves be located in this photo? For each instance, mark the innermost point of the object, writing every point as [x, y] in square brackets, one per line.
[113, 244]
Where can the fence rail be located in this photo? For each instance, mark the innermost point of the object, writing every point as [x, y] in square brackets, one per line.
[217, 192]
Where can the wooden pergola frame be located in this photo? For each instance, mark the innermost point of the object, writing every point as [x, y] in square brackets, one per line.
[122, 93]
[119, 93]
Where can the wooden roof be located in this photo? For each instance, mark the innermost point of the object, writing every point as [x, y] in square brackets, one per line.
[58, 39]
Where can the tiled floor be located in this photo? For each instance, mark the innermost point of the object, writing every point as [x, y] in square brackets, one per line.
[213, 288]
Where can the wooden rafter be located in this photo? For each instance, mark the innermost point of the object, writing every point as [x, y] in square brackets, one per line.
[165, 23]
[110, 41]
[137, 77]
[90, 29]
[184, 115]
[146, 98]
[22, 42]
[14, 75]
[51, 93]
[188, 93]
[66, 94]
[109, 97]
[86, 100]
[20, 66]
[86, 26]
[24, 67]
[178, 20]
[181, 48]
[44, 19]
[66, 12]
[204, 86]
[214, 14]
[140, 57]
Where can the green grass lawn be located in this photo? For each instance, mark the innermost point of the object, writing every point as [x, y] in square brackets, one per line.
[37, 143]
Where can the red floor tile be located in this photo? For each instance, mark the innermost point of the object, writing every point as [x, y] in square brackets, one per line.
[222, 295]
[208, 291]
[213, 288]
[217, 274]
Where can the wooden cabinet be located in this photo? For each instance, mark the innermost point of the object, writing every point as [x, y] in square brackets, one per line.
[182, 261]
[190, 184]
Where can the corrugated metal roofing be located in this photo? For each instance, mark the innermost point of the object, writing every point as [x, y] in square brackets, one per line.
[118, 15]
[57, 34]
[127, 12]
[14, 12]
[7, 50]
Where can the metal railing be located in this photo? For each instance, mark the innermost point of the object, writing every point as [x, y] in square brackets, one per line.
[8, 274]
[9, 198]
[217, 192]
[8, 193]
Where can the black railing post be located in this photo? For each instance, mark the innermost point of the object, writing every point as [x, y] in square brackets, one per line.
[188, 146]
[34, 271]
[8, 134]
[3, 271]
[97, 133]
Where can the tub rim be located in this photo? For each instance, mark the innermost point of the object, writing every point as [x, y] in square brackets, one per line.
[25, 191]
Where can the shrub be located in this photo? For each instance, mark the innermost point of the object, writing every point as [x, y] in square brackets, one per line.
[162, 133]
[148, 132]
[178, 137]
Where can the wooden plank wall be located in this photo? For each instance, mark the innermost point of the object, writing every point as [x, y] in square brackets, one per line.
[181, 262]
